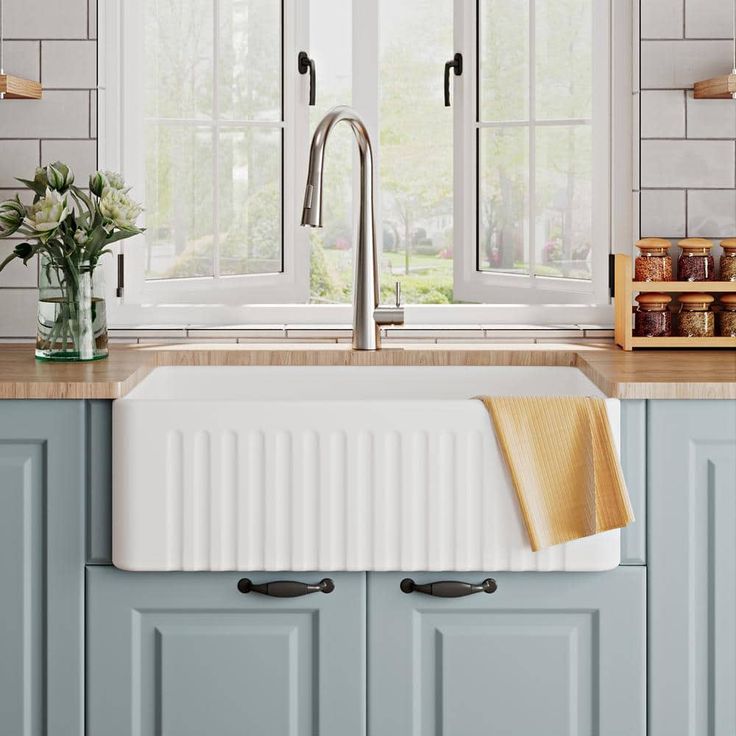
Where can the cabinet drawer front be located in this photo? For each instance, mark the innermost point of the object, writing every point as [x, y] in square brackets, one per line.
[188, 654]
[555, 654]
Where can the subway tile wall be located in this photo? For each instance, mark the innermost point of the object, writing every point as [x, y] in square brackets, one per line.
[686, 171]
[687, 185]
[54, 41]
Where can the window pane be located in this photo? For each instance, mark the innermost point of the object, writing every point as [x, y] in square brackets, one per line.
[564, 202]
[416, 150]
[503, 199]
[504, 59]
[564, 59]
[179, 205]
[564, 52]
[249, 194]
[250, 59]
[332, 245]
[178, 58]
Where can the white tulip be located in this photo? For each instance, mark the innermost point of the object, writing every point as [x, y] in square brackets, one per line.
[47, 214]
[119, 208]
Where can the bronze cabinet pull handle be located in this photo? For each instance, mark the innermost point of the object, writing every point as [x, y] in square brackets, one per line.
[285, 588]
[449, 588]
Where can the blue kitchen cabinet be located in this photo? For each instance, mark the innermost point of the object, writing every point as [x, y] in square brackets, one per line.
[547, 653]
[692, 567]
[188, 654]
[43, 473]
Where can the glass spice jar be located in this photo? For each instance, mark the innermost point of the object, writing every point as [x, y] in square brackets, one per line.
[695, 262]
[727, 316]
[653, 317]
[655, 262]
[696, 318]
[728, 260]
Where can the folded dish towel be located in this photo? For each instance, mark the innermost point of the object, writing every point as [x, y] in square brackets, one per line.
[563, 465]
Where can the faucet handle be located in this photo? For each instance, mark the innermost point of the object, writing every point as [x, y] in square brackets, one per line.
[391, 315]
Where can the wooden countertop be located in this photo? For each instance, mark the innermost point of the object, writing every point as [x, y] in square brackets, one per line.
[656, 374]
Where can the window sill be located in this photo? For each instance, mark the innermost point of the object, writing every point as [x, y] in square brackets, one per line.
[489, 333]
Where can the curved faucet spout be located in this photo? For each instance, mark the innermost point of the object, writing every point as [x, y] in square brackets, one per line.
[366, 316]
[312, 212]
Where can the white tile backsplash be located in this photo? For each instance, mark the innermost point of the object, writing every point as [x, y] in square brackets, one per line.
[80, 155]
[661, 19]
[710, 118]
[663, 213]
[69, 64]
[689, 186]
[23, 59]
[59, 114]
[708, 19]
[663, 114]
[711, 214]
[687, 164]
[17, 158]
[46, 19]
[679, 64]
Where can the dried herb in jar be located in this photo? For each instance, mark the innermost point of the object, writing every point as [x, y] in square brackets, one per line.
[695, 262]
[653, 317]
[728, 260]
[727, 317]
[696, 319]
[654, 263]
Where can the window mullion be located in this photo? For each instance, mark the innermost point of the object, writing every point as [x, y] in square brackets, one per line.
[532, 138]
[216, 268]
[366, 88]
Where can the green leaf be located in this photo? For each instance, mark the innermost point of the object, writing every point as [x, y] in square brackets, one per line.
[10, 258]
[34, 186]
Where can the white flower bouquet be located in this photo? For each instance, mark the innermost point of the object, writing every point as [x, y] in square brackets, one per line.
[70, 230]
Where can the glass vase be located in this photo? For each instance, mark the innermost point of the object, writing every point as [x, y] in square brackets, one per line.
[72, 324]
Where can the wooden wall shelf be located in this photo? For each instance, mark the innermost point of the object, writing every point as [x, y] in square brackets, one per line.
[17, 88]
[625, 290]
[718, 88]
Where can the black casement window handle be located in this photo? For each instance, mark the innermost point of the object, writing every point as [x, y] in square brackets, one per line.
[449, 588]
[457, 66]
[307, 65]
[285, 588]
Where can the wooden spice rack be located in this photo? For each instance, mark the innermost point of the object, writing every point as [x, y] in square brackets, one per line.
[625, 288]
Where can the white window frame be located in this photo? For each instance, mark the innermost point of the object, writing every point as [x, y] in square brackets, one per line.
[474, 285]
[261, 299]
[121, 70]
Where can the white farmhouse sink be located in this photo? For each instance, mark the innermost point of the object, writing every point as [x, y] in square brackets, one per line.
[335, 468]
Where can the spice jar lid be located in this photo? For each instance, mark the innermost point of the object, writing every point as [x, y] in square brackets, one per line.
[653, 245]
[696, 302]
[695, 244]
[729, 301]
[729, 245]
[653, 299]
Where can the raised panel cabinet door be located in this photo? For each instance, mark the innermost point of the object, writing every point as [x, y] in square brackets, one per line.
[547, 654]
[187, 654]
[692, 568]
[42, 491]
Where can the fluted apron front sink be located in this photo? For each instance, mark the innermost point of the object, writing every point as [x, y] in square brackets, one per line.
[335, 468]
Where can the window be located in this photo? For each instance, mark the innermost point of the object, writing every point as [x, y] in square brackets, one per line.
[503, 198]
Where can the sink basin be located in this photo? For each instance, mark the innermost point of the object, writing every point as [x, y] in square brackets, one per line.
[329, 468]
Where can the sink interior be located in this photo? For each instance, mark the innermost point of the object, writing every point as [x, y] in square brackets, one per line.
[244, 383]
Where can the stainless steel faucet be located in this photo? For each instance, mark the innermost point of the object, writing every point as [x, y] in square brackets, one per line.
[368, 316]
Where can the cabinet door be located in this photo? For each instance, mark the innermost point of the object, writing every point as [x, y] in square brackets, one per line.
[692, 567]
[187, 654]
[552, 654]
[42, 490]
